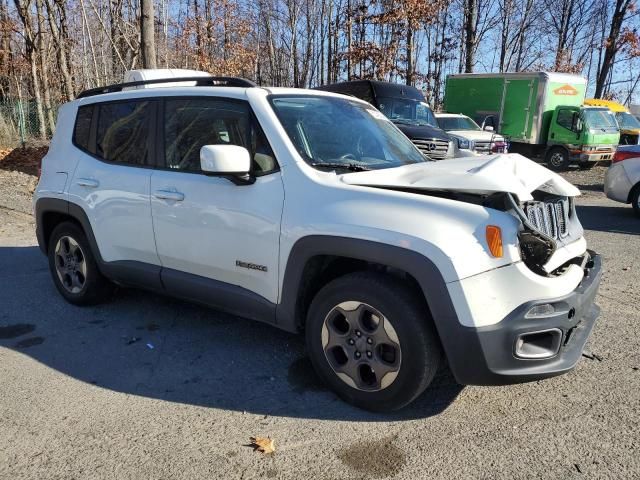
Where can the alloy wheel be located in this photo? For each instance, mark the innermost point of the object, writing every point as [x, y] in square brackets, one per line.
[361, 346]
[71, 265]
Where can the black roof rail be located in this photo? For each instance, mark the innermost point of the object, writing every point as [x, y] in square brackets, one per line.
[200, 82]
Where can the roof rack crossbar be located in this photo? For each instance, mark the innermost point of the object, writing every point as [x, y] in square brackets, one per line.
[200, 82]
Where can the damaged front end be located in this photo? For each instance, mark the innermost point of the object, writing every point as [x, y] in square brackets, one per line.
[549, 223]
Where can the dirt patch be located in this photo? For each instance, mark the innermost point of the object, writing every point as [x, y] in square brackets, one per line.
[374, 458]
[22, 159]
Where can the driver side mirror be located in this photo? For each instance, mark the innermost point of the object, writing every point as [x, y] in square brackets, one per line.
[488, 128]
[230, 161]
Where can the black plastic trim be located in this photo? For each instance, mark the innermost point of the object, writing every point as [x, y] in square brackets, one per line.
[200, 82]
[485, 355]
[421, 268]
[229, 298]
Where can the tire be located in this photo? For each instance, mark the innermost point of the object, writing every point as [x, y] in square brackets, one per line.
[557, 159]
[73, 267]
[635, 200]
[408, 353]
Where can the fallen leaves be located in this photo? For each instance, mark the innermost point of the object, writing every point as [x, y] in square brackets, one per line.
[263, 444]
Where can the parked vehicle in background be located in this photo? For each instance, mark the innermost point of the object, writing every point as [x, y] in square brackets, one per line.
[622, 180]
[405, 107]
[629, 125]
[310, 211]
[470, 136]
[541, 114]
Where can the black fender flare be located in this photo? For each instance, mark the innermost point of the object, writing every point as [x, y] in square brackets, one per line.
[57, 205]
[415, 264]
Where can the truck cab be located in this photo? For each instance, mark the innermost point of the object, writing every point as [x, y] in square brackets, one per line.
[404, 105]
[582, 135]
[628, 123]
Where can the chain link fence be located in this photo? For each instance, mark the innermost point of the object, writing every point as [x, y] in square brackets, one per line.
[20, 123]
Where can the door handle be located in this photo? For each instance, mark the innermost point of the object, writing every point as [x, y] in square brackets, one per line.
[87, 182]
[169, 195]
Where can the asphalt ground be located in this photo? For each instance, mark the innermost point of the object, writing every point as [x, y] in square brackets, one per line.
[151, 387]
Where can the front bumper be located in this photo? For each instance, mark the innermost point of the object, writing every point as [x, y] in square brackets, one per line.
[585, 157]
[487, 355]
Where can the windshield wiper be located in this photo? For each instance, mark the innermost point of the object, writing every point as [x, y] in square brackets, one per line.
[353, 167]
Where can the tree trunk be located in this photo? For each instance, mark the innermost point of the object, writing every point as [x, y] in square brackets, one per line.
[24, 12]
[61, 55]
[147, 35]
[471, 17]
[410, 47]
[44, 70]
[611, 46]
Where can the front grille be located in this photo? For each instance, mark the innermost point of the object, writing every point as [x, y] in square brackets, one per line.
[432, 148]
[550, 218]
[483, 147]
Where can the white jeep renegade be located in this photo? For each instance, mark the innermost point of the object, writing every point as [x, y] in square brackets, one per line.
[313, 212]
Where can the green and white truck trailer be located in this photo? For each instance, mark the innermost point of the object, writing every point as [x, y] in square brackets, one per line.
[540, 113]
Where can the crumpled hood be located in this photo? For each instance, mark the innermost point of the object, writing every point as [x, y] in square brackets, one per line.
[508, 172]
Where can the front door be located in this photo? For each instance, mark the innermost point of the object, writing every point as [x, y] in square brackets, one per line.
[208, 226]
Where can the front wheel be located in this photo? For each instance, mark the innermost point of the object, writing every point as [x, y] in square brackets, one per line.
[371, 339]
[558, 159]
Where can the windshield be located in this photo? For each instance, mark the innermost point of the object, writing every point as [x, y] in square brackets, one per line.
[457, 123]
[601, 118]
[404, 110]
[340, 132]
[626, 120]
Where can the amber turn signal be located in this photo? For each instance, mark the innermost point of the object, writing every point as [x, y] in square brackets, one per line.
[494, 240]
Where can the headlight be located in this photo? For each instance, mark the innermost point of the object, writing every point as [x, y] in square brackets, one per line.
[463, 143]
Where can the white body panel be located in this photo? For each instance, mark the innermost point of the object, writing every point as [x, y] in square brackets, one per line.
[216, 222]
[116, 201]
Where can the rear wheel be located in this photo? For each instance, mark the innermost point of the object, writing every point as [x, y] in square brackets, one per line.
[74, 268]
[557, 159]
[372, 341]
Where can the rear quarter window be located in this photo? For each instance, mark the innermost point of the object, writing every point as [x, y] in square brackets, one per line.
[82, 128]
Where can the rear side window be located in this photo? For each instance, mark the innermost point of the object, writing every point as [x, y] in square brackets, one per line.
[123, 132]
[190, 124]
[82, 129]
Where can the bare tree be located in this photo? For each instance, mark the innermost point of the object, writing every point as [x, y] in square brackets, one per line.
[147, 34]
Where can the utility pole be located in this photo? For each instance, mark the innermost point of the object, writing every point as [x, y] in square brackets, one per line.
[147, 35]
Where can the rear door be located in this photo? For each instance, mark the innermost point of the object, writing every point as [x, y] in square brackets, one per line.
[516, 117]
[208, 226]
[112, 180]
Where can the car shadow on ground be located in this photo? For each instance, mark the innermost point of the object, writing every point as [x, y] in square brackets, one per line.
[148, 345]
[620, 219]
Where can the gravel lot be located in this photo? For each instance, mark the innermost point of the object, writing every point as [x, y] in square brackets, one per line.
[149, 387]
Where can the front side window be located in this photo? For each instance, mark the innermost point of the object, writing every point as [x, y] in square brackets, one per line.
[190, 124]
[331, 132]
[123, 132]
[457, 123]
[565, 119]
[404, 110]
